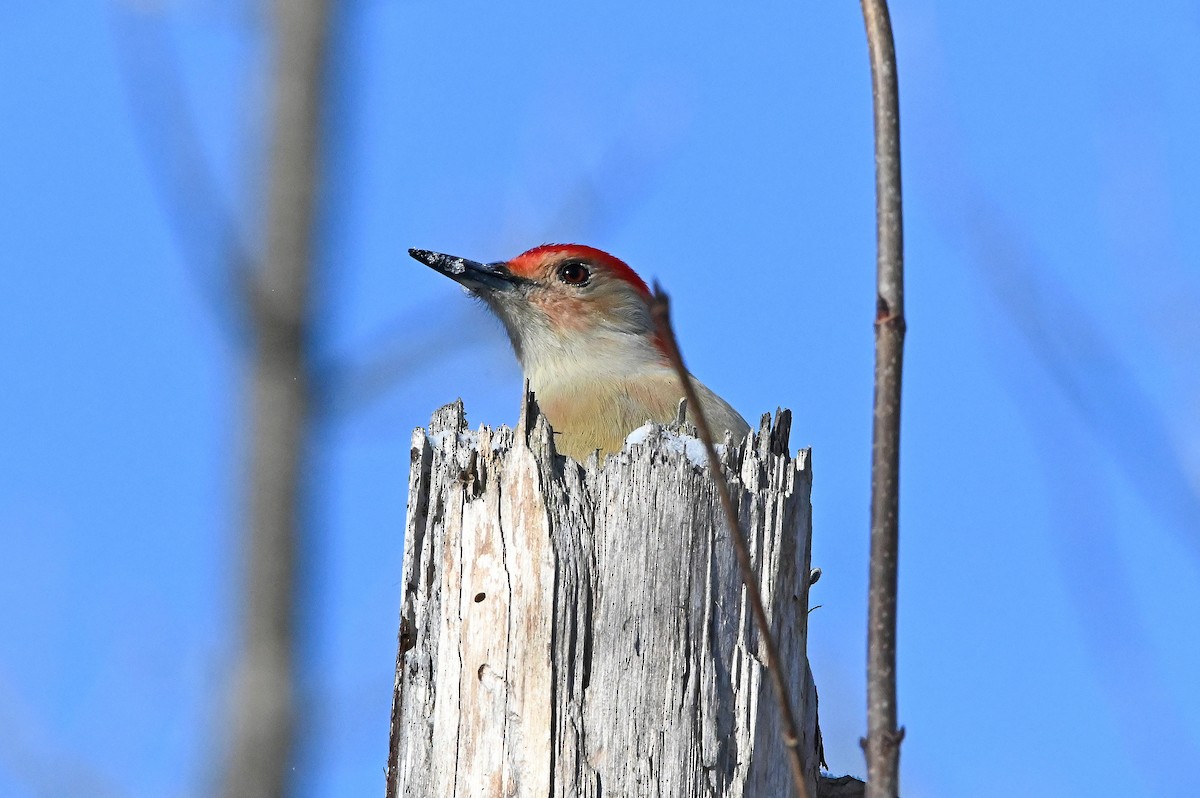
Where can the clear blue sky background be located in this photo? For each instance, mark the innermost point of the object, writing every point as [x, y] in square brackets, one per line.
[1050, 582]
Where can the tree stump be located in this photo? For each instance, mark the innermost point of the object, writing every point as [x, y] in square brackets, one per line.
[578, 629]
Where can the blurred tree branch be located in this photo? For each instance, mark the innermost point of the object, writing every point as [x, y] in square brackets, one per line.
[1060, 355]
[37, 760]
[218, 259]
[1071, 344]
[344, 386]
[264, 681]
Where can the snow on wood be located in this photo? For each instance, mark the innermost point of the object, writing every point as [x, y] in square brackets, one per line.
[581, 630]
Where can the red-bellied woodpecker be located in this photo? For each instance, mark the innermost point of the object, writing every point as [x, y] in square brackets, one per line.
[579, 320]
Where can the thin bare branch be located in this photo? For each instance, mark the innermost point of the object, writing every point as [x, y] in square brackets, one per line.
[882, 743]
[660, 309]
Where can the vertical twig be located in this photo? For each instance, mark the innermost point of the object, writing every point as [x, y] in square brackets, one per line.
[264, 705]
[883, 737]
[660, 309]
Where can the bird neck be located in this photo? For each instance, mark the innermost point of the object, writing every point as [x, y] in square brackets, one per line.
[589, 361]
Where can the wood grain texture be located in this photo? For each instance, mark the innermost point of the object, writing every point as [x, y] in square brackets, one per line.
[580, 630]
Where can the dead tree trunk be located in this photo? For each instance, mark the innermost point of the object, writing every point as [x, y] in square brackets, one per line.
[581, 630]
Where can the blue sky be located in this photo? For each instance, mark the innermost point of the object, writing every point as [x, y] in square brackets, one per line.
[1051, 466]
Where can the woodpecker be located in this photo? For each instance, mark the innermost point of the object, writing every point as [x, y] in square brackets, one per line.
[579, 321]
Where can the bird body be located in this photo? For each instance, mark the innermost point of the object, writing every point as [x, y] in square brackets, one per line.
[579, 321]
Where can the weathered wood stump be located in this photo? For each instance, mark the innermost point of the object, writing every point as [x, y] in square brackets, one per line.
[581, 629]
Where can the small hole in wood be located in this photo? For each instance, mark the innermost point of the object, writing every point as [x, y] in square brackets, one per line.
[480, 597]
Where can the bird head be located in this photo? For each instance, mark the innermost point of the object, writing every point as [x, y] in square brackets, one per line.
[567, 308]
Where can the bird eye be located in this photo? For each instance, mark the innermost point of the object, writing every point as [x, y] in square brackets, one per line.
[574, 273]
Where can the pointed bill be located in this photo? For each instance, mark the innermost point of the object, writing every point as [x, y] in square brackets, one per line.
[472, 274]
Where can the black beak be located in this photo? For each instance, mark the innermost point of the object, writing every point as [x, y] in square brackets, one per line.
[472, 274]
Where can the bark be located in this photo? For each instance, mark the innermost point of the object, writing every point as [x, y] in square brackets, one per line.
[582, 630]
